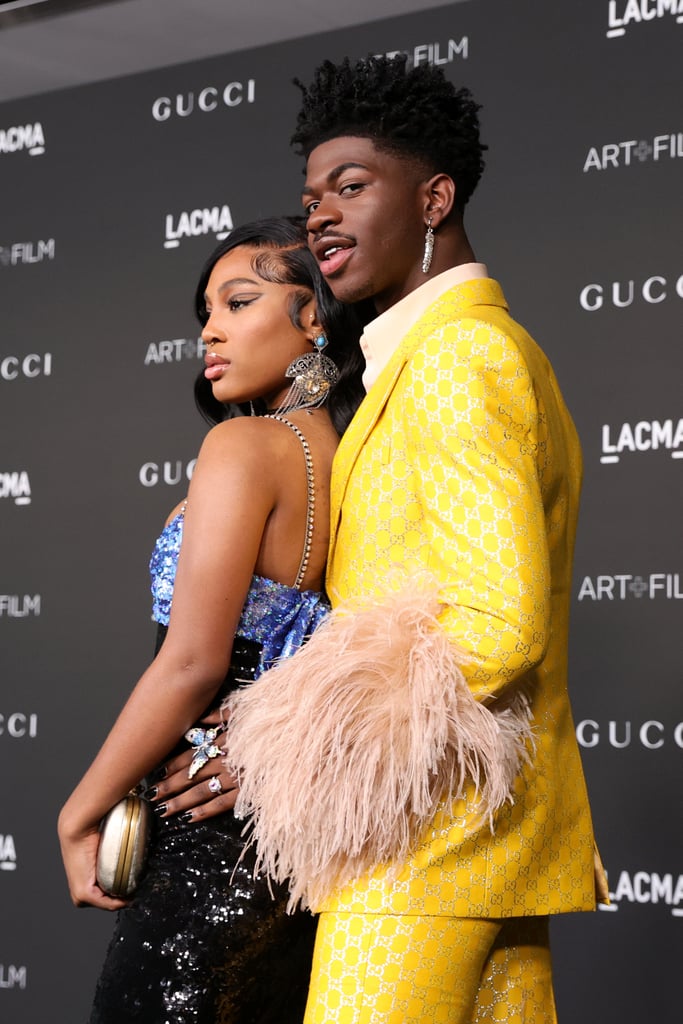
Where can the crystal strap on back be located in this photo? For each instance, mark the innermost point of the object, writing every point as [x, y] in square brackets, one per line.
[310, 495]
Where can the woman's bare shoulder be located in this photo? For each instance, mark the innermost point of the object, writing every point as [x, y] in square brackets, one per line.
[256, 444]
[244, 435]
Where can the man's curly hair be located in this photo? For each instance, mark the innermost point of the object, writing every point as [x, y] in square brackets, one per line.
[416, 113]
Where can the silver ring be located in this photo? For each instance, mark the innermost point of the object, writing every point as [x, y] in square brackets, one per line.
[214, 785]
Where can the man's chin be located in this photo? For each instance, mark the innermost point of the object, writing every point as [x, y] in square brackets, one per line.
[348, 290]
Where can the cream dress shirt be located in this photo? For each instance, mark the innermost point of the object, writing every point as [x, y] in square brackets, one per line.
[382, 336]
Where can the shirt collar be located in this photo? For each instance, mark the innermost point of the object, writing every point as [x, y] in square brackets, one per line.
[383, 335]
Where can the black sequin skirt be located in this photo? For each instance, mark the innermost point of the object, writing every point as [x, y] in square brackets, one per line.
[203, 941]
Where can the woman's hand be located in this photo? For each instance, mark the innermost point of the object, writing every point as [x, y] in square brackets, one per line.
[212, 790]
[79, 852]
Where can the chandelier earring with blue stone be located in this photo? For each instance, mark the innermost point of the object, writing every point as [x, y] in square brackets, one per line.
[313, 376]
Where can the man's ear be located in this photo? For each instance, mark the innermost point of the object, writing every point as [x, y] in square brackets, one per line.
[439, 198]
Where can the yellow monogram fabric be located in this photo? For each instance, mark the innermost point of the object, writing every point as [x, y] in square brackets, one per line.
[384, 969]
[463, 461]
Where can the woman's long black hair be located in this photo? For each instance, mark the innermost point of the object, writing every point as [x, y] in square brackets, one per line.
[284, 258]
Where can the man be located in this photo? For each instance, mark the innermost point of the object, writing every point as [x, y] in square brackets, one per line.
[463, 461]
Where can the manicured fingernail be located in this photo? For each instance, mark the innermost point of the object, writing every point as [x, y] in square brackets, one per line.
[150, 793]
[160, 809]
[186, 816]
[163, 772]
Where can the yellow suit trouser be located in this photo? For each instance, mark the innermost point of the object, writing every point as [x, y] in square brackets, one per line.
[381, 969]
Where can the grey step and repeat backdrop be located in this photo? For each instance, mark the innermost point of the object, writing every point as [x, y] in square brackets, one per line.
[111, 197]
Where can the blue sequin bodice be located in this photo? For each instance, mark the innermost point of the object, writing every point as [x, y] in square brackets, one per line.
[274, 615]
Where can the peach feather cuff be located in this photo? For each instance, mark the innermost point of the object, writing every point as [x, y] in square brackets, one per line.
[345, 751]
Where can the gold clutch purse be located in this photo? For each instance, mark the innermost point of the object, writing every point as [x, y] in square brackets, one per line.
[122, 853]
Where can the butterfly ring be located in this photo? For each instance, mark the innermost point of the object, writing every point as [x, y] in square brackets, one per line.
[203, 740]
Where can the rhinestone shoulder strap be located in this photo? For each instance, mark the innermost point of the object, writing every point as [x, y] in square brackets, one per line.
[310, 495]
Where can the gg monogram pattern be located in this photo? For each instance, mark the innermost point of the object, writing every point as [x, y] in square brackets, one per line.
[380, 969]
[463, 461]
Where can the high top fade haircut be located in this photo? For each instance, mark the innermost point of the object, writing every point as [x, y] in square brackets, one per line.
[415, 113]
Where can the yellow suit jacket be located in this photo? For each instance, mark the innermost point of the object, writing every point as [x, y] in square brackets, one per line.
[463, 461]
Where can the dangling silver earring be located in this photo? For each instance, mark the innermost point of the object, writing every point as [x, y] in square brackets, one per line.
[429, 248]
[314, 375]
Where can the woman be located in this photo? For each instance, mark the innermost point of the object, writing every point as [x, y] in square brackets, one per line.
[203, 940]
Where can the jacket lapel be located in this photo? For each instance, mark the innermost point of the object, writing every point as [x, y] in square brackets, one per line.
[359, 430]
[452, 305]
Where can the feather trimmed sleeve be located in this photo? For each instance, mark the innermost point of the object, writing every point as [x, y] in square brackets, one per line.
[344, 751]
